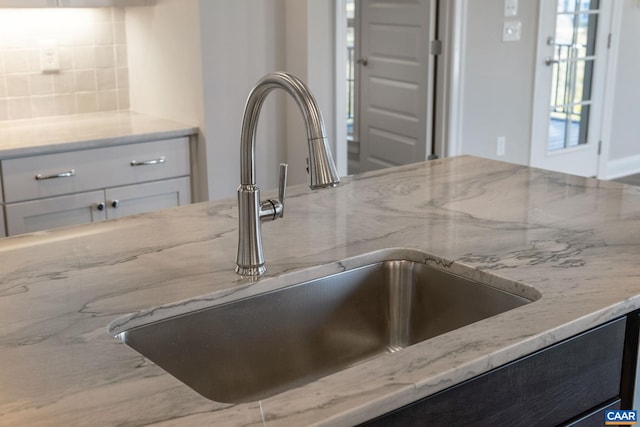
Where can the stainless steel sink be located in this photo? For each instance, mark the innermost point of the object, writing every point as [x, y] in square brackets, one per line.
[265, 344]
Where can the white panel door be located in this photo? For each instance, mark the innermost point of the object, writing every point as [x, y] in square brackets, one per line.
[395, 81]
[570, 79]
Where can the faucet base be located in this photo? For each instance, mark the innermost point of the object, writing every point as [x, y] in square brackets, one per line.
[251, 271]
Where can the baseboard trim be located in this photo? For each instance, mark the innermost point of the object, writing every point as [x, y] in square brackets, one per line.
[623, 167]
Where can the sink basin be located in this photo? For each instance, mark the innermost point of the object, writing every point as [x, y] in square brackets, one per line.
[262, 345]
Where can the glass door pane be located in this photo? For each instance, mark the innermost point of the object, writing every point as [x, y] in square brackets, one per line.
[573, 61]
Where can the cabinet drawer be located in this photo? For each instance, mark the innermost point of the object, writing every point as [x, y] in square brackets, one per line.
[35, 177]
[54, 212]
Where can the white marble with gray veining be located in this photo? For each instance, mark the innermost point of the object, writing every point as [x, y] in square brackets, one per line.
[81, 131]
[576, 241]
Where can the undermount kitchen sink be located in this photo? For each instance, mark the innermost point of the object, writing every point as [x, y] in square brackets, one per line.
[262, 345]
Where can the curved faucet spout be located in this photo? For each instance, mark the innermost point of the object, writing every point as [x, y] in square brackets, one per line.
[322, 171]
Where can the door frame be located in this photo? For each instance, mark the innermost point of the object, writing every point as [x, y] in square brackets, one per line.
[448, 96]
[604, 109]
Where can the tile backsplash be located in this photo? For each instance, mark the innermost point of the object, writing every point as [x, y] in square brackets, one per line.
[92, 50]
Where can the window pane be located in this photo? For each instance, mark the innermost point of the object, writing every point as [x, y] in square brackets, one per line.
[566, 6]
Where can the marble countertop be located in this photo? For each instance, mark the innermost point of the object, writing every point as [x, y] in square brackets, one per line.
[575, 240]
[80, 131]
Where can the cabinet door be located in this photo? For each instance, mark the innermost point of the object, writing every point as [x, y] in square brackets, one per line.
[55, 212]
[151, 196]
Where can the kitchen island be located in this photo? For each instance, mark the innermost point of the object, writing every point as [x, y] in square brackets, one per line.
[576, 241]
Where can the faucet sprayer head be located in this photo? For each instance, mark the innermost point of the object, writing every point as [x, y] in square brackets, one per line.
[322, 169]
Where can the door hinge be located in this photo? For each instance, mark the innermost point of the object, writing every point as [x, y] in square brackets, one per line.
[609, 41]
[599, 147]
[436, 47]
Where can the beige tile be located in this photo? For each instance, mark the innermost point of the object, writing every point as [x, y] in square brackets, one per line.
[123, 100]
[16, 60]
[19, 108]
[41, 84]
[103, 33]
[84, 57]
[66, 58]
[87, 102]
[4, 110]
[105, 57]
[122, 75]
[63, 83]
[121, 56]
[44, 106]
[3, 86]
[106, 78]
[85, 81]
[118, 14]
[119, 33]
[107, 100]
[33, 56]
[99, 15]
[66, 104]
[18, 85]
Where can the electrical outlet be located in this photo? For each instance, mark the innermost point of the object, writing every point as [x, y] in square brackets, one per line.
[501, 146]
[49, 57]
[511, 31]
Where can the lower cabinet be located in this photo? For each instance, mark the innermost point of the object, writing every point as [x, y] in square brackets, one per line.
[99, 205]
[570, 383]
[58, 189]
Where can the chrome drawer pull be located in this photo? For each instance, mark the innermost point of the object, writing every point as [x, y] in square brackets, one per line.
[72, 172]
[148, 162]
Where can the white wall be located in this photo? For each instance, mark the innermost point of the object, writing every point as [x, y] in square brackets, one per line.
[497, 81]
[624, 149]
[197, 60]
[241, 41]
[165, 70]
[310, 42]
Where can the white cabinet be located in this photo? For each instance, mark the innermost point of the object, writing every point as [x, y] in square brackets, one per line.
[28, 3]
[61, 189]
[104, 3]
[75, 3]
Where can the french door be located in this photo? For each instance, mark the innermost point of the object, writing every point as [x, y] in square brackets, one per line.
[571, 65]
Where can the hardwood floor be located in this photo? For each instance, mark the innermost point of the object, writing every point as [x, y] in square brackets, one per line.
[631, 179]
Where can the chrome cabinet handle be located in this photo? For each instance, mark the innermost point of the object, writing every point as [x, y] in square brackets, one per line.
[100, 206]
[148, 162]
[40, 177]
[364, 61]
[115, 203]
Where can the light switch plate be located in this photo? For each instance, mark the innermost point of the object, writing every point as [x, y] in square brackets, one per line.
[510, 7]
[512, 31]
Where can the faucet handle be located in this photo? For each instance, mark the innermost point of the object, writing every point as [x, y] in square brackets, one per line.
[282, 185]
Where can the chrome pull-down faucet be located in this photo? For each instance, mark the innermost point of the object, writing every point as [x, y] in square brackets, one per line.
[322, 170]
